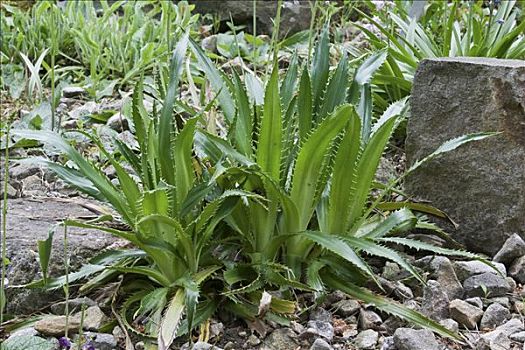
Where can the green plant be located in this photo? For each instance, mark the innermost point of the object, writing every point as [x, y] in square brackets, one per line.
[107, 47]
[168, 222]
[446, 29]
[314, 158]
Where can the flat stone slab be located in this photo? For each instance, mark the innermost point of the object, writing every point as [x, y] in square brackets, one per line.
[481, 185]
[29, 220]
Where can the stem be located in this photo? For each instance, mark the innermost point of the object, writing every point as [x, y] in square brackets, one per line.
[53, 44]
[4, 225]
[66, 286]
[254, 15]
[82, 315]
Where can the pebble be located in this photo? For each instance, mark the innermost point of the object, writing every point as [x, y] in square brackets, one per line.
[513, 248]
[369, 320]
[450, 324]
[435, 301]
[495, 315]
[517, 270]
[320, 344]
[412, 339]
[55, 326]
[346, 308]
[73, 91]
[366, 340]
[464, 313]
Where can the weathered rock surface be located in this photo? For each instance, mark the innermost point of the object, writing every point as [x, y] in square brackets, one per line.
[295, 15]
[456, 96]
[29, 221]
[367, 340]
[56, 325]
[412, 339]
[435, 301]
[486, 283]
[465, 269]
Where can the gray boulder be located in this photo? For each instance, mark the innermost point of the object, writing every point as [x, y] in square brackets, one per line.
[295, 15]
[366, 340]
[465, 269]
[30, 221]
[457, 96]
[486, 285]
[412, 339]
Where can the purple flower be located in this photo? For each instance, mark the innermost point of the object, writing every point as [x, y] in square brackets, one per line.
[64, 343]
[88, 346]
[500, 21]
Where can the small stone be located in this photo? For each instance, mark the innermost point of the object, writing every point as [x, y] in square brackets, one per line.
[476, 301]
[297, 327]
[512, 284]
[466, 269]
[253, 340]
[512, 326]
[519, 337]
[335, 297]
[391, 271]
[366, 340]
[320, 314]
[435, 304]
[216, 329]
[55, 326]
[200, 345]
[320, 344]
[94, 318]
[412, 339]
[34, 341]
[242, 334]
[139, 345]
[485, 285]
[503, 301]
[517, 270]
[281, 339]
[450, 324]
[11, 192]
[102, 341]
[519, 307]
[513, 248]
[369, 320]
[392, 323]
[464, 313]
[494, 316]
[345, 308]
[445, 275]
[324, 329]
[23, 170]
[74, 305]
[388, 344]
[209, 43]
[118, 122]
[73, 91]
[403, 292]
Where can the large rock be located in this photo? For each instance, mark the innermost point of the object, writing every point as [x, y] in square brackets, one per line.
[295, 15]
[480, 185]
[29, 221]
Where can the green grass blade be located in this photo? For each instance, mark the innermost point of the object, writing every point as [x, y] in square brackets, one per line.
[270, 136]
